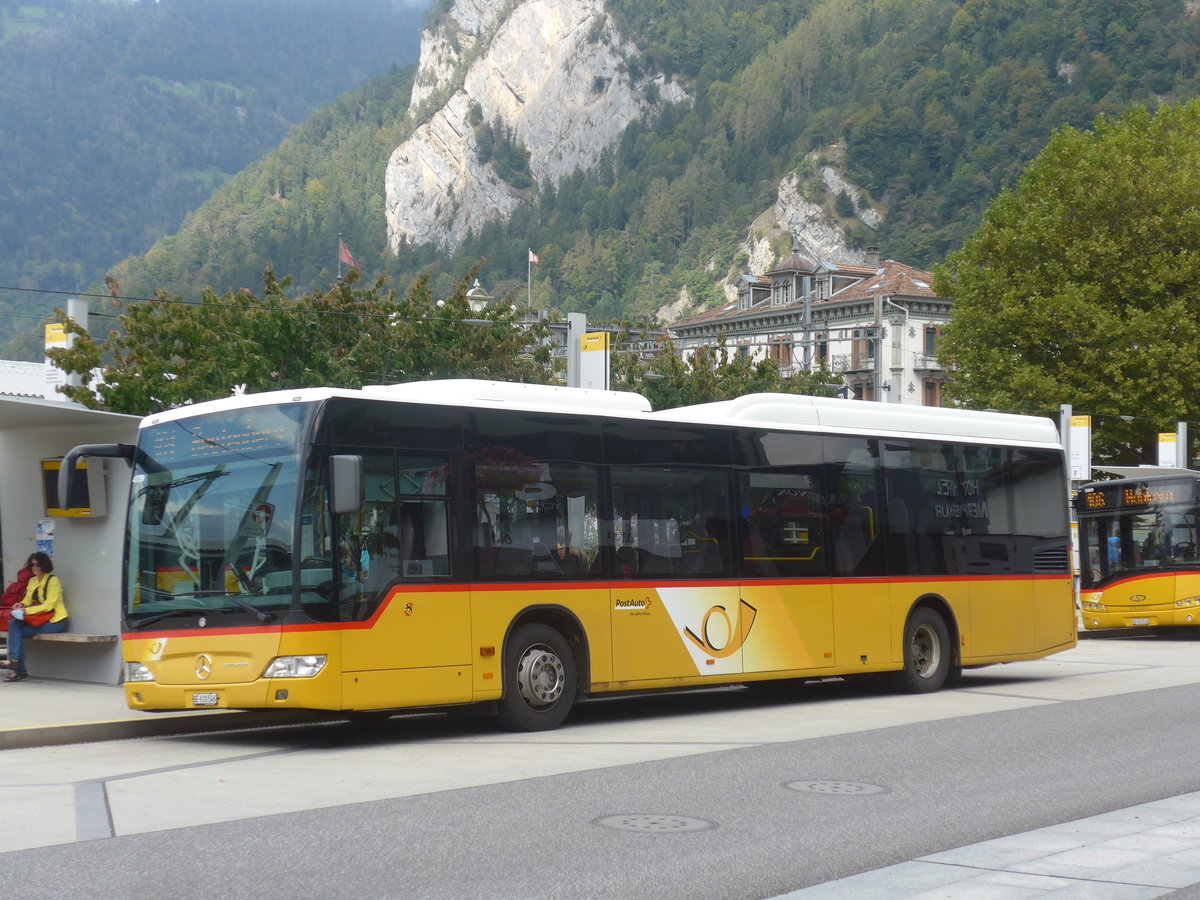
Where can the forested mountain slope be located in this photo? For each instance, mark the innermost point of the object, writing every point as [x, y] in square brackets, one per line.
[931, 106]
[118, 118]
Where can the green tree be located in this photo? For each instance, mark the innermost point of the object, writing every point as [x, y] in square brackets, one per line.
[708, 374]
[168, 353]
[1082, 285]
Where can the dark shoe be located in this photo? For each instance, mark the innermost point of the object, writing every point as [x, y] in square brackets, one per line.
[16, 676]
[8, 664]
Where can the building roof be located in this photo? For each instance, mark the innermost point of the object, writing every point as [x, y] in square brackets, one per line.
[890, 278]
[23, 412]
[22, 379]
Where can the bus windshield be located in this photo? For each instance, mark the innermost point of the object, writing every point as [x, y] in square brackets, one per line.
[1131, 540]
[211, 517]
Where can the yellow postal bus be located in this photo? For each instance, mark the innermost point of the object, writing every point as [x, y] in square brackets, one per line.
[1139, 564]
[463, 542]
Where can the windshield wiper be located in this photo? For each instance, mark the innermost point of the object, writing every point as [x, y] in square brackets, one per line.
[261, 615]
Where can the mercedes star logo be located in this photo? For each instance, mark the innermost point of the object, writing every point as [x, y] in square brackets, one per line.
[203, 666]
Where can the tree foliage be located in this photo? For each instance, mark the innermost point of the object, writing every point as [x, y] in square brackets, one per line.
[1082, 285]
[668, 379]
[117, 119]
[167, 352]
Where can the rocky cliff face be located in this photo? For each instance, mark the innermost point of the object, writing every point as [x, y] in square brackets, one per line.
[551, 71]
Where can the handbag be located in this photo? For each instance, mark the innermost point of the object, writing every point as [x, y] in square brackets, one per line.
[36, 620]
[39, 619]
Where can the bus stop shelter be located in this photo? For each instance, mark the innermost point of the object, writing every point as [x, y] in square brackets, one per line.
[86, 546]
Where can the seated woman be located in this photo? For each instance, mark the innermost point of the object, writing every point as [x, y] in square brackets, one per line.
[43, 599]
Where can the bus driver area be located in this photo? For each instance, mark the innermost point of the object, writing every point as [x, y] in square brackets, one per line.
[461, 542]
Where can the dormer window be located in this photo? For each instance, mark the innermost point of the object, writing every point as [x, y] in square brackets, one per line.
[782, 293]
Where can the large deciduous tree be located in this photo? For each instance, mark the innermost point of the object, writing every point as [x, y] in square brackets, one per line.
[1082, 284]
[166, 352]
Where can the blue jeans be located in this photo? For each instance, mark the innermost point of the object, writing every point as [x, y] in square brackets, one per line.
[18, 631]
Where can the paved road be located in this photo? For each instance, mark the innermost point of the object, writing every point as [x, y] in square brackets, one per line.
[726, 794]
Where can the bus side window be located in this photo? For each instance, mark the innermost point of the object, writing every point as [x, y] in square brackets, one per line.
[782, 524]
[367, 565]
[399, 534]
[852, 473]
[926, 497]
[535, 519]
[670, 520]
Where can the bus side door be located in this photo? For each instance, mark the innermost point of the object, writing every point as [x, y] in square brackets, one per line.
[406, 629]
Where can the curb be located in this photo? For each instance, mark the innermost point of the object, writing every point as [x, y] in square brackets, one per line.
[125, 729]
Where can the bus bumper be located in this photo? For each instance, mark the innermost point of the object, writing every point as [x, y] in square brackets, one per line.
[1097, 620]
[276, 693]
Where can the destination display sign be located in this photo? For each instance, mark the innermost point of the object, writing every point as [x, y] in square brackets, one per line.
[1134, 494]
[244, 431]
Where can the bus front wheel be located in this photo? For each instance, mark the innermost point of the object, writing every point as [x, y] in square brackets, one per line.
[927, 653]
[539, 679]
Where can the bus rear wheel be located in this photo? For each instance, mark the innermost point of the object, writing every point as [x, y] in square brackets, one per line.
[927, 653]
[539, 679]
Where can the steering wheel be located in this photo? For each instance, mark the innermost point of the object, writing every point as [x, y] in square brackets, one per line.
[1184, 548]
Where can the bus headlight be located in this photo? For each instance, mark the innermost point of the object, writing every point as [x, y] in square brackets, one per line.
[136, 671]
[294, 667]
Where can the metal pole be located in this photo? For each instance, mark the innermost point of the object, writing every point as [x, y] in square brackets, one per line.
[1064, 429]
[1181, 445]
[576, 329]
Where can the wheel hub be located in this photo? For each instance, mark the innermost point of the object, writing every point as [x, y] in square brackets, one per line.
[540, 676]
[927, 651]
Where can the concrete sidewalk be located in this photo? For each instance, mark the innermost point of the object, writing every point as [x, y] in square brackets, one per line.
[39, 712]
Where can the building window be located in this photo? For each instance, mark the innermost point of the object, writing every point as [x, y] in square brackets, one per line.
[863, 353]
[781, 352]
[931, 340]
[933, 393]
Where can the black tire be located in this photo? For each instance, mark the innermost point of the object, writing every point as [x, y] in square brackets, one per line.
[928, 656]
[540, 679]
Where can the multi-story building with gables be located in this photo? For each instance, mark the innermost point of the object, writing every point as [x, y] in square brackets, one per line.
[875, 325]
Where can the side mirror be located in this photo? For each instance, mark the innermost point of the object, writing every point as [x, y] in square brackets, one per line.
[345, 484]
[67, 473]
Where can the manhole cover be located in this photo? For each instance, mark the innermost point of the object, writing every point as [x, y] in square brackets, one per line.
[836, 787]
[655, 824]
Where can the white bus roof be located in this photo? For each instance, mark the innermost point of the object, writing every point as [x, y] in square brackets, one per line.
[866, 417]
[790, 411]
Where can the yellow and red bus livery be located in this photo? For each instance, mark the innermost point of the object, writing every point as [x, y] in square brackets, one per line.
[462, 542]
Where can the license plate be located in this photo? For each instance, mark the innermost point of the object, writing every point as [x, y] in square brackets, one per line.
[1139, 621]
[204, 699]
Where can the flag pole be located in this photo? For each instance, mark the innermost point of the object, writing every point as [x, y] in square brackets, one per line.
[339, 278]
[529, 278]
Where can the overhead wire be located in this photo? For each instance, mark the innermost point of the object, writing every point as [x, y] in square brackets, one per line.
[246, 306]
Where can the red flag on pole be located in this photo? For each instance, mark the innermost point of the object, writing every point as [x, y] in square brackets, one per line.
[345, 255]
[533, 258]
